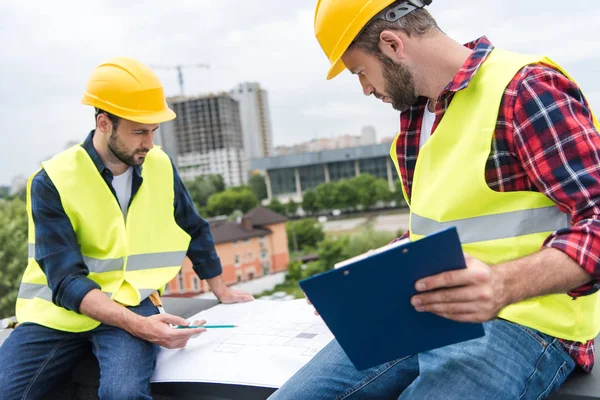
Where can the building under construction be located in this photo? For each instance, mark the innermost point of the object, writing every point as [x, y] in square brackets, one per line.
[206, 137]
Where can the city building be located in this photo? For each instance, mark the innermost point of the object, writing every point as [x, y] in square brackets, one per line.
[206, 138]
[287, 177]
[253, 247]
[367, 137]
[256, 120]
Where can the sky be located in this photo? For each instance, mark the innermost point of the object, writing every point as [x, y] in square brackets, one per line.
[49, 49]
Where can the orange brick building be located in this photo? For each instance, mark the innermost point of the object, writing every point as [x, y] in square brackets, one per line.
[253, 247]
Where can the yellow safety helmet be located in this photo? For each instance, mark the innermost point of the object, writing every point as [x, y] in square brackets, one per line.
[338, 23]
[128, 89]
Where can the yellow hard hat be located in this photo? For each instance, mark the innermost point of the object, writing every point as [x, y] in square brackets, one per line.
[128, 89]
[338, 23]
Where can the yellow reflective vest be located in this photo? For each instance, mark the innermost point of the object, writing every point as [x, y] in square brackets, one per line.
[449, 189]
[129, 258]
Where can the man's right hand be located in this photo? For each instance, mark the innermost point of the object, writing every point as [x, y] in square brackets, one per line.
[157, 329]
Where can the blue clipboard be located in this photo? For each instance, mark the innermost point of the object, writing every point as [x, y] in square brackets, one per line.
[366, 303]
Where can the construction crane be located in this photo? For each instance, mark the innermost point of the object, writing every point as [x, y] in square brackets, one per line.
[179, 69]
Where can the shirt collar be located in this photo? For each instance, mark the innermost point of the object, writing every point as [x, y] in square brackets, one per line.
[482, 48]
[88, 145]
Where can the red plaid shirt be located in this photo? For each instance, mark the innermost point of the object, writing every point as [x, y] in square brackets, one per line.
[545, 141]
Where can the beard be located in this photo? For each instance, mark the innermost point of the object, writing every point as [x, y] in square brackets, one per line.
[399, 84]
[122, 153]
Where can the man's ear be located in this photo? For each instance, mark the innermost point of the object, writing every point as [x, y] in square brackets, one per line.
[103, 124]
[392, 45]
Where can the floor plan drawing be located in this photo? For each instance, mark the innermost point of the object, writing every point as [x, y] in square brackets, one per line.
[271, 342]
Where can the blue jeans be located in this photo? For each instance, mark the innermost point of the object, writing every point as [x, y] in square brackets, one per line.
[33, 359]
[510, 362]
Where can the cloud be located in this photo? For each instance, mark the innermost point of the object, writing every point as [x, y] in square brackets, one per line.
[50, 48]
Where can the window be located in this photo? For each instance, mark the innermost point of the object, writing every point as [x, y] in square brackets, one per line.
[311, 176]
[266, 267]
[264, 254]
[341, 170]
[374, 166]
[167, 289]
[237, 260]
[239, 276]
[196, 283]
[283, 181]
[181, 283]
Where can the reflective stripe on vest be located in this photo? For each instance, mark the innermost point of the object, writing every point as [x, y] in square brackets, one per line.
[136, 262]
[496, 226]
[33, 290]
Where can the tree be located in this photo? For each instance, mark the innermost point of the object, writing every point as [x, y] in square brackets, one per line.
[399, 195]
[368, 240]
[365, 186]
[13, 252]
[202, 187]
[382, 191]
[309, 201]
[332, 251]
[217, 181]
[347, 195]
[327, 196]
[307, 233]
[227, 202]
[291, 207]
[257, 183]
[276, 206]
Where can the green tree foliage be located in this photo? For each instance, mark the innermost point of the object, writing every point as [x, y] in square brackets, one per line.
[307, 233]
[327, 196]
[368, 240]
[291, 208]
[4, 191]
[347, 195]
[257, 183]
[227, 202]
[203, 187]
[13, 252]
[398, 195]
[276, 206]
[366, 189]
[309, 201]
[382, 191]
[332, 251]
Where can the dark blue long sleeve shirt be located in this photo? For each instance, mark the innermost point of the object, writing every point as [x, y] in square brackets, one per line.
[57, 250]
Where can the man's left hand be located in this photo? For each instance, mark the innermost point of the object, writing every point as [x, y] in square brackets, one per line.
[230, 295]
[473, 294]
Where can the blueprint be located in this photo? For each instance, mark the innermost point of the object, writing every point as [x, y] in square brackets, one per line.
[272, 341]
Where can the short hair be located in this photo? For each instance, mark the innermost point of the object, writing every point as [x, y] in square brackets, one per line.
[113, 118]
[418, 23]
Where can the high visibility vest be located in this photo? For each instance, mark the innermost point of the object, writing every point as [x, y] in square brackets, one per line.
[129, 258]
[449, 189]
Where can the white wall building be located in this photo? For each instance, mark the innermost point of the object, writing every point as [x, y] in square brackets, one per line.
[256, 120]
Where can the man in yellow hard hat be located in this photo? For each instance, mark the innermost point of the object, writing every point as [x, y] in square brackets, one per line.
[504, 147]
[110, 223]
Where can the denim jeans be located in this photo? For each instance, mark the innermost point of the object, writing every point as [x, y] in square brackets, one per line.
[510, 362]
[33, 359]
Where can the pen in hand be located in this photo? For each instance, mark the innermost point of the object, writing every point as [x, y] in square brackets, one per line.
[205, 326]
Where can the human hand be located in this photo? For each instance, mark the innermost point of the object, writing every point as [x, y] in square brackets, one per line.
[310, 304]
[229, 295]
[473, 294]
[158, 329]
